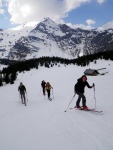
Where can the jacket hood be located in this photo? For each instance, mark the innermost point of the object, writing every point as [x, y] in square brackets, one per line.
[80, 79]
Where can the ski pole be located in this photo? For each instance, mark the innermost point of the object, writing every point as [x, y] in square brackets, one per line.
[94, 96]
[19, 97]
[52, 93]
[70, 103]
[40, 90]
[26, 96]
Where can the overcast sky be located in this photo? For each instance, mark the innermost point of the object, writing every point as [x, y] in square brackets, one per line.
[76, 13]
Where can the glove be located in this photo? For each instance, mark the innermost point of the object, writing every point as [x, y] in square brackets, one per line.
[93, 85]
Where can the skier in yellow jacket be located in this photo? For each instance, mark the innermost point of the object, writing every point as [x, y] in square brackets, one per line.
[48, 89]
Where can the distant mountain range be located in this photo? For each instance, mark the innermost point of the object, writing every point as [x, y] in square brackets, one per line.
[51, 39]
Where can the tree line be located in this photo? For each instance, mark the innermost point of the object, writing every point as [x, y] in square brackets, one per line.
[9, 74]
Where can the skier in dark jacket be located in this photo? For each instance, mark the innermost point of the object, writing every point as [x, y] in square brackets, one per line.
[79, 89]
[43, 85]
[22, 90]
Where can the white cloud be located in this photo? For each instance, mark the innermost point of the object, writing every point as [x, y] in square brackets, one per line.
[90, 22]
[22, 11]
[106, 26]
[82, 26]
[72, 4]
[101, 1]
[1, 7]
[89, 25]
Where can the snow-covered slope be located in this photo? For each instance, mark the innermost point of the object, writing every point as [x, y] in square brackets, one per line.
[44, 125]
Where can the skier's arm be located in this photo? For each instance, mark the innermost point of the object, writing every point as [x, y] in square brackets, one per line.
[88, 85]
[18, 88]
[51, 87]
[93, 85]
[25, 90]
[74, 89]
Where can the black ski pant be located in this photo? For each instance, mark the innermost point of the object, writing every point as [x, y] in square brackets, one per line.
[22, 94]
[81, 95]
[43, 89]
[48, 93]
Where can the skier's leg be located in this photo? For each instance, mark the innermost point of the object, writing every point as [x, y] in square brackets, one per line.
[48, 93]
[83, 100]
[79, 98]
[21, 97]
[44, 91]
[24, 99]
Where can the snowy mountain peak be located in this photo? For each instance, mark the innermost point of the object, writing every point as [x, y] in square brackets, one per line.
[48, 21]
[48, 38]
[47, 26]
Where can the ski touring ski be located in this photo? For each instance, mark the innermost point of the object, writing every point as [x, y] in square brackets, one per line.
[92, 110]
[50, 99]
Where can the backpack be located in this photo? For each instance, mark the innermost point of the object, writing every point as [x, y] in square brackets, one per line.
[48, 86]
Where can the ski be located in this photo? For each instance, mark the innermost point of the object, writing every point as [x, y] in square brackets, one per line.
[93, 110]
[50, 99]
[72, 108]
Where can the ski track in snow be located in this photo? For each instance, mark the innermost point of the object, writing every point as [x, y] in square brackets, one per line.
[44, 125]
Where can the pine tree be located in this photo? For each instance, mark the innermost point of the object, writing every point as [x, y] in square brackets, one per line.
[13, 77]
[1, 84]
[6, 78]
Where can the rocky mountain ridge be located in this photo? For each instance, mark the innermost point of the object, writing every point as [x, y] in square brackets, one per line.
[51, 39]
